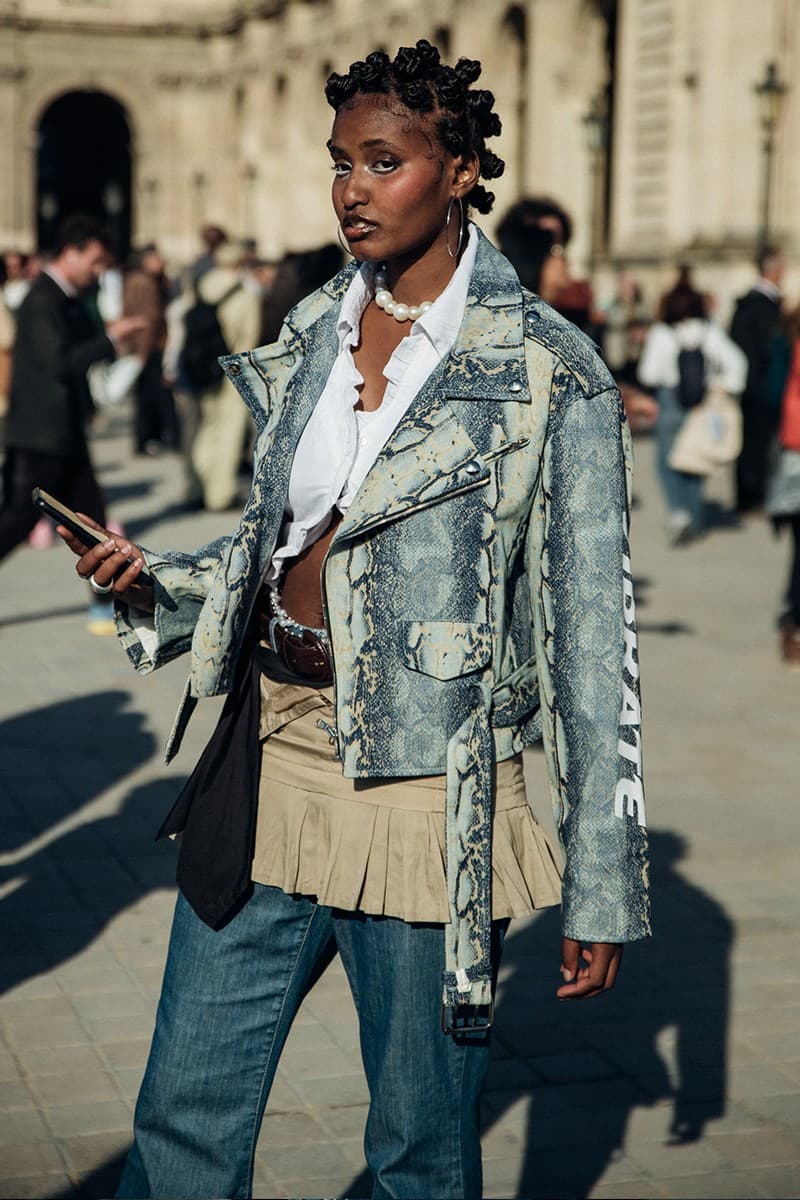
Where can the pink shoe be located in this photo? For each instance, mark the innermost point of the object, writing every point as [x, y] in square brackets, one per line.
[41, 537]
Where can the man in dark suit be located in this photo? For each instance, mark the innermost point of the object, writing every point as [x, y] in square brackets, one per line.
[755, 323]
[57, 340]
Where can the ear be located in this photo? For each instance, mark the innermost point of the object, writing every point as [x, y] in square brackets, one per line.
[466, 173]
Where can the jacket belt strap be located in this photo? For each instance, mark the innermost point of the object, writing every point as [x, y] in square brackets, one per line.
[467, 977]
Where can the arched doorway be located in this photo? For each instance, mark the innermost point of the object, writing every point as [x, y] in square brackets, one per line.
[84, 165]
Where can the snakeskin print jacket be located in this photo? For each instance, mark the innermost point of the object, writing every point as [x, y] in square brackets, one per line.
[478, 594]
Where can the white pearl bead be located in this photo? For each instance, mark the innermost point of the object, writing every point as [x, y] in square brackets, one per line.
[400, 311]
[414, 311]
[426, 304]
[382, 297]
[389, 307]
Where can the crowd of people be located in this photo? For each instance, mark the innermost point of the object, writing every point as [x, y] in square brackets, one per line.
[237, 301]
[79, 333]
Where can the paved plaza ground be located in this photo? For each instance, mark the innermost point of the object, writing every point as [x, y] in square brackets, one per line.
[684, 1082]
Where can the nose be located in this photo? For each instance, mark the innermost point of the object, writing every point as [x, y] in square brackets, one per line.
[354, 191]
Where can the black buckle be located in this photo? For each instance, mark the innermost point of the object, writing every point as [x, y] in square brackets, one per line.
[467, 1018]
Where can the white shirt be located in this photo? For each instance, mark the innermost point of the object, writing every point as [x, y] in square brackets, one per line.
[339, 444]
[67, 288]
[768, 288]
[726, 365]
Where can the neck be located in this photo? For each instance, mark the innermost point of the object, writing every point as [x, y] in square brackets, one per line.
[423, 278]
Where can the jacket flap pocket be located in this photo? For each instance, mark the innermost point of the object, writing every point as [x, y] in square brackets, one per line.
[446, 649]
[517, 696]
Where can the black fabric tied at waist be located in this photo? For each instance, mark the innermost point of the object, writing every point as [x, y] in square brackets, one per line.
[216, 810]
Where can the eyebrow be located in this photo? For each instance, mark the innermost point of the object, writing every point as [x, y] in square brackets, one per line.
[370, 144]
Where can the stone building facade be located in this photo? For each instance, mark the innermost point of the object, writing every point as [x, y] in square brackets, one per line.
[639, 115]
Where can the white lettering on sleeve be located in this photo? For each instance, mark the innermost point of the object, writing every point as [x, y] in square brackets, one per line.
[629, 793]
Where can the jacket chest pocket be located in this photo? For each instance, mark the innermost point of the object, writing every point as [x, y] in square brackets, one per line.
[446, 649]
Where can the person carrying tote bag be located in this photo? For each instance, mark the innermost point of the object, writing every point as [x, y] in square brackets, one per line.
[694, 369]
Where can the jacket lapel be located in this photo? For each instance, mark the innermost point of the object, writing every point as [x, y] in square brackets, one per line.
[434, 451]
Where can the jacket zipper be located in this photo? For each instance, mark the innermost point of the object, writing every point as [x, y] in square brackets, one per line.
[384, 520]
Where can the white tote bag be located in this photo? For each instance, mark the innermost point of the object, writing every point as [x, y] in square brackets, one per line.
[710, 437]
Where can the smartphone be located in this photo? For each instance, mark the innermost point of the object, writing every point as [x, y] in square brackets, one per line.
[70, 520]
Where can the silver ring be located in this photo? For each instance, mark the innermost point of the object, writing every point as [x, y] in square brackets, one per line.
[98, 588]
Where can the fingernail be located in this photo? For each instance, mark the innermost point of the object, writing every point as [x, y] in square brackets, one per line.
[137, 562]
[109, 545]
[125, 548]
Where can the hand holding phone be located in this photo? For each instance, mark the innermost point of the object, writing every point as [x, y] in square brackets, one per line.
[91, 537]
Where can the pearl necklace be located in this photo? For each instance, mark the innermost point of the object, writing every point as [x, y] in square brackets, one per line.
[385, 300]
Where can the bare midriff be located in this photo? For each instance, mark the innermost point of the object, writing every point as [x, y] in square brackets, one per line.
[301, 586]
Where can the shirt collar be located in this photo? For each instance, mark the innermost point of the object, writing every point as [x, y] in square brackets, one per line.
[442, 321]
[768, 288]
[67, 288]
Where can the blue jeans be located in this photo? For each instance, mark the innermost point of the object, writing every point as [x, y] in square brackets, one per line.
[683, 493]
[227, 1003]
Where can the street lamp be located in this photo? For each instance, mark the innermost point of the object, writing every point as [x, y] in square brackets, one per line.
[595, 127]
[770, 93]
[250, 178]
[199, 182]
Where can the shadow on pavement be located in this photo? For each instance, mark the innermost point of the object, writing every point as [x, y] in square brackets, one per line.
[100, 1184]
[46, 614]
[583, 1068]
[61, 895]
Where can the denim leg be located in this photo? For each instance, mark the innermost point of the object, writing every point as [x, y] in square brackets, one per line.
[670, 418]
[694, 500]
[422, 1136]
[227, 1003]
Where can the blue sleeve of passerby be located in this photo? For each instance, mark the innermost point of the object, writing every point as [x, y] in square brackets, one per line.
[779, 360]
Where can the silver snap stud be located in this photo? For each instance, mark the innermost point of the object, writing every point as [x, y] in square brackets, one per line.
[235, 368]
[515, 387]
[472, 468]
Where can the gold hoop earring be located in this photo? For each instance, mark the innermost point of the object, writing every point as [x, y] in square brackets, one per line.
[343, 243]
[461, 225]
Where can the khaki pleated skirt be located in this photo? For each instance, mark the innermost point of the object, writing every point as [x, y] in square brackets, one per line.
[378, 845]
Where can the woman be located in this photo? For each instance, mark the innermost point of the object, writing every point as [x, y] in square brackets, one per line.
[436, 537]
[783, 485]
[684, 327]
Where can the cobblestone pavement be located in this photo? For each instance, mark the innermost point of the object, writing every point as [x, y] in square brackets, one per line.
[684, 1082]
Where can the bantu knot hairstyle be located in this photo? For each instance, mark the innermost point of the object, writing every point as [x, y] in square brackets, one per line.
[463, 116]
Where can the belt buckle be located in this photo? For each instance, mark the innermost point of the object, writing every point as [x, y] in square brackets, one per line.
[467, 1018]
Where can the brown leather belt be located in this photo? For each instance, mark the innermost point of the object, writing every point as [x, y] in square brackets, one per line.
[301, 650]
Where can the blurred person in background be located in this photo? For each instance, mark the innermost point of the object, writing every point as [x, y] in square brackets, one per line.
[297, 275]
[684, 326]
[625, 321]
[783, 485]
[213, 237]
[626, 318]
[224, 422]
[109, 291]
[16, 283]
[6, 346]
[144, 294]
[755, 325]
[533, 235]
[56, 341]
[186, 394]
